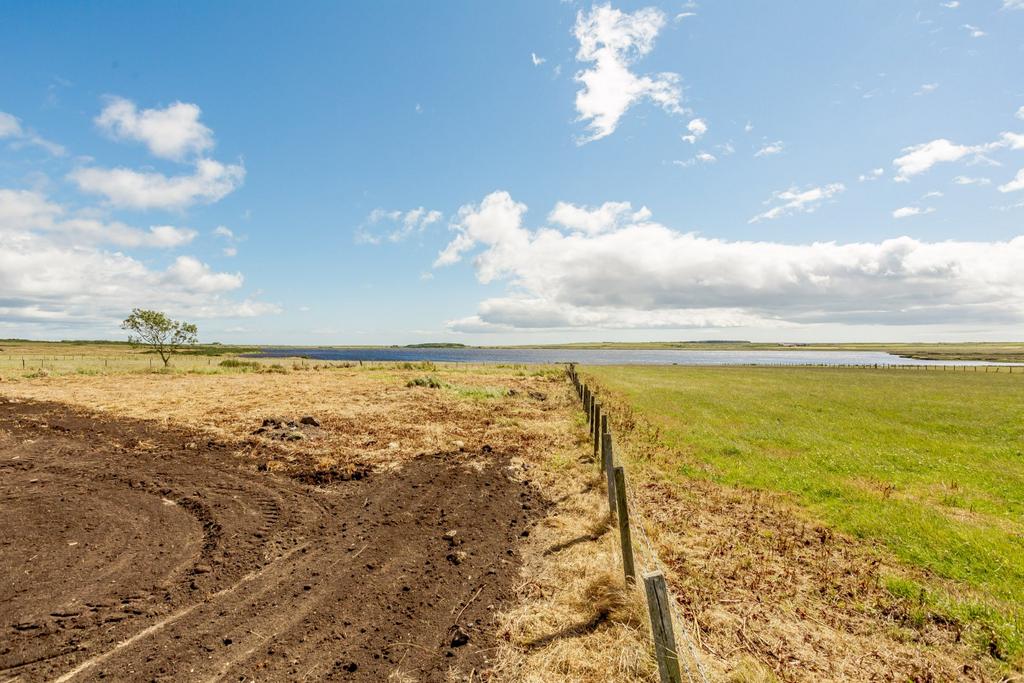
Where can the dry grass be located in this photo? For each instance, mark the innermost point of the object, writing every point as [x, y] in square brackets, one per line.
[368, 416]
[575, 619]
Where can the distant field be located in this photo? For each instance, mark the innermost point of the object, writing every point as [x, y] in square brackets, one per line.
[928, 465]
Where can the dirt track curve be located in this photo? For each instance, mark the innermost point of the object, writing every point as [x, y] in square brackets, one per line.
[128, 551]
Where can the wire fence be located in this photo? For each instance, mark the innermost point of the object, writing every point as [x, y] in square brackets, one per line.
[675, 649]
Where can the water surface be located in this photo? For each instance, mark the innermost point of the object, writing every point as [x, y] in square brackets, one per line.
[607, 356]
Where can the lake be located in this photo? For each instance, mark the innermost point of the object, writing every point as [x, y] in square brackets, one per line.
[605, 356]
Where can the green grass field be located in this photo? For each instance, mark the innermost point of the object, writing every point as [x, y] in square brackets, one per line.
[928, 465]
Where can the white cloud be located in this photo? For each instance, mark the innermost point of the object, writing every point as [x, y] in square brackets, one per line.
[647, 275]
[749, 127]
[874, 174]
[54, 274]
[397, 225]
[608, 216]
[1020, 114]
[537, 61]
[699, 158]
[612, 41]
[127, 188]
[919, 158]
[1014, 185]
[1010, 140]
[170, 133]
[697, 128]
[230, 251]
[933, 193]
[194, 275]
[1013, 4]
[795, 200]
[685, 15]
[22, 210]
[224, 231]
[974, 31]
[967, 180]
[907, 211]
[952, 4]
[927, 88]
[11, 128]
[769, 149]
[495, 221]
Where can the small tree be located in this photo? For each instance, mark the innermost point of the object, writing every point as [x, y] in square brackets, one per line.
[155, 329]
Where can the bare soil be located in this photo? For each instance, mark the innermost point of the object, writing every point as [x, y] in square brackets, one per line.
[134, 551]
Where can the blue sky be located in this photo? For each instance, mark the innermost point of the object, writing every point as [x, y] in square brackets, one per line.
[514, 172]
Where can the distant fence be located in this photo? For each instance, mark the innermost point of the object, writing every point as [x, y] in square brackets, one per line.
[674, 649]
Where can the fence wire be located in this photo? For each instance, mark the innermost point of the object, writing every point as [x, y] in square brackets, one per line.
[693, 667]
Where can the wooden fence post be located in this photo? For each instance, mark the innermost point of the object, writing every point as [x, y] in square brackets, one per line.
[661, 627]
[597, 430]
[608, 465]
[625, 540]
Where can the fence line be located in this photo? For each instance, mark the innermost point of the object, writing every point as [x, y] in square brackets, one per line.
[668, 628]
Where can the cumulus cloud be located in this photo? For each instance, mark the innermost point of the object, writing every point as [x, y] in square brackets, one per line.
[128, 188]
[874, 174]
[537, 61]
[395, 226]
[1020, 113]
[11, 129]
[54, 270]
[608, 216]
[974, 31]
[496, 221]
[612, 41]
[170, 133]
[795, 200]
[22, 210]
[646, 275]
[1014, 185]
[697, 128]
[927, 88]
[769, 149]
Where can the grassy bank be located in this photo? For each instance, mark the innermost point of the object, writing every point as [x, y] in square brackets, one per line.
[927, 467]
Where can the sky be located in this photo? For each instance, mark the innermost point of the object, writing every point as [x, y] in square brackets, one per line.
[515, 172]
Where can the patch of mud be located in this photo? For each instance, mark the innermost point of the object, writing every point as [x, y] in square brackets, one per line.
[132, 552]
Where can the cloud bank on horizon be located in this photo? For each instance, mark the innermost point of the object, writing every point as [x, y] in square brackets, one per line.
[611, 267]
